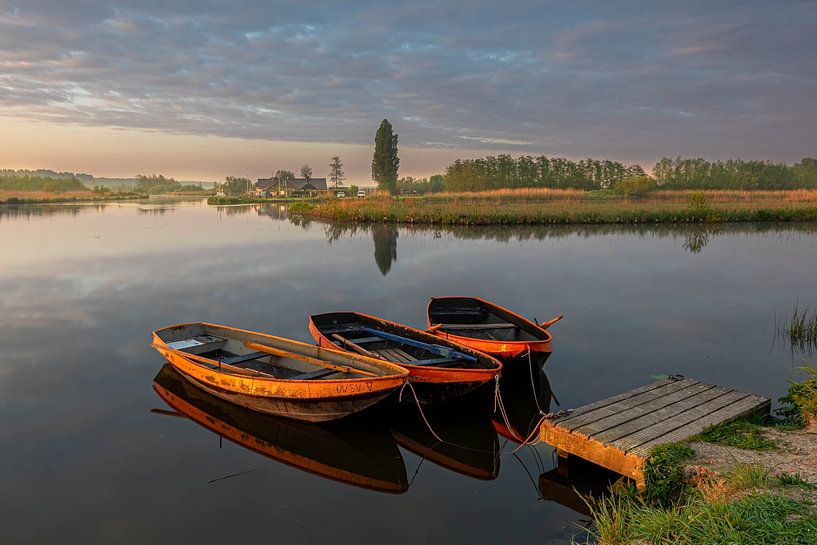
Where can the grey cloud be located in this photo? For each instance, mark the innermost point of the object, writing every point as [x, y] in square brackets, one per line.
[632, 79]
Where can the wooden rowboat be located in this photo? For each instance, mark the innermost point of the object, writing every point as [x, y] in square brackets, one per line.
[489, 328]
[368, 458]
[439, 370]
[276, 376]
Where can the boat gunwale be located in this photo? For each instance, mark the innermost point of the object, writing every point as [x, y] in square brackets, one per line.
[418, 373]
[385, 382]
[516, 347]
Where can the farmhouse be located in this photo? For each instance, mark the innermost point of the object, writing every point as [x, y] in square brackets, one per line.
[293, 187]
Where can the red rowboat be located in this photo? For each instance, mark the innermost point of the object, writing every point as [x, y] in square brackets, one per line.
[487, 327]
[439, 370]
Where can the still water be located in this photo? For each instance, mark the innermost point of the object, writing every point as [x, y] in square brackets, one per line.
[101, 445]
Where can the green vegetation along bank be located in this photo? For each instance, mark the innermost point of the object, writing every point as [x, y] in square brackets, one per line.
[747, 482]
[547, 206]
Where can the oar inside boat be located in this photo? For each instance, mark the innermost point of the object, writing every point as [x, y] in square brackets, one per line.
[434, 348]
[275, 375]
[439, 369]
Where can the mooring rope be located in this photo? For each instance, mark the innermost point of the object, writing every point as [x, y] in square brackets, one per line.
[419, 408]
[532, 384]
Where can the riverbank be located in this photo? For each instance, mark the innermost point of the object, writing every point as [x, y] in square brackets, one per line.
[741, 482]
[543, 206]
[222, 201]
[42, 197]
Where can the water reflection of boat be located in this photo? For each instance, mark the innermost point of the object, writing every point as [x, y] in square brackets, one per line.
[439, 370]
[367, 458]
[489, 328]
[274, 375]
[525, 395]
[470, 444]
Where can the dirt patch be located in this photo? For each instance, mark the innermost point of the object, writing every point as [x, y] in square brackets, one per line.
[797, 454]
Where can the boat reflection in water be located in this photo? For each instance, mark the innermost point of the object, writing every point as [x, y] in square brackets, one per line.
[469, 447]
[367, 457]
[526, 396]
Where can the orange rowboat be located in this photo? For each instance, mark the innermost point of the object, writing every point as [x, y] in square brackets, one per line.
[439, 370]
[274, 375]
[363, 457]
[489, 328]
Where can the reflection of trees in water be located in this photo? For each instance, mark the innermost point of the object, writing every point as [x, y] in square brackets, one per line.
[274, 211]
[159, 211]
[34, 210]
[694, 237]
[385, 245]
[696, 240]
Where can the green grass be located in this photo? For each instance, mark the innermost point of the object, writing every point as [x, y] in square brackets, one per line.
[758, 518]
[787, 479]
[744, 434]
[664, 473]
[754, 514]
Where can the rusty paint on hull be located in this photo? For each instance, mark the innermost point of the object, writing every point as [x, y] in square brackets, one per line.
[307, 400]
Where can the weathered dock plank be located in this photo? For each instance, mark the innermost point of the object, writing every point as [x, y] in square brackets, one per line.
[619, 432]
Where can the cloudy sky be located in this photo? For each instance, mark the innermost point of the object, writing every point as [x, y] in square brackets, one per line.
[201, 89]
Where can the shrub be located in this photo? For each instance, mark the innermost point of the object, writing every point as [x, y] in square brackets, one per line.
[698, 200]
[804, 395]
[664, 473]
[299, 207]
[635, 186]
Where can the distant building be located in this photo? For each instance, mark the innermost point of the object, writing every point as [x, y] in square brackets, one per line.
[296, 187]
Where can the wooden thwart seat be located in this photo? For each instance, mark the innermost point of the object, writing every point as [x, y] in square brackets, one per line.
[244, 357]
[312, 375]
[498, 325]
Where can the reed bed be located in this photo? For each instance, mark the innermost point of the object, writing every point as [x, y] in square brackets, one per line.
[554, 206]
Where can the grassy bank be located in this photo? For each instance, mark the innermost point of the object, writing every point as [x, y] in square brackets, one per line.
[746, 482]
[42, 197]
[546, 206]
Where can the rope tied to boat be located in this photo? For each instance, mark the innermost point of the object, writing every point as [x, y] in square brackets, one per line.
[419, 408]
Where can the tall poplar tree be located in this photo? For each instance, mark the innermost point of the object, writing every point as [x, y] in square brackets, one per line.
[385, 161]
[336, 174]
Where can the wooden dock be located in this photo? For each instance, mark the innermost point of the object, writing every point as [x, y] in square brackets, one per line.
[619, 432]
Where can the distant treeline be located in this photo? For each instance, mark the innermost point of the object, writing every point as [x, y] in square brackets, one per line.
[503, 171]
[699, 173]
[409, 184]
[40, 183]
[156, 184]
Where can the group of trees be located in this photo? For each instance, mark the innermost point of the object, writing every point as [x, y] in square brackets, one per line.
[501, 171]
[156, 184]
[40, 183]
[434, 184]
[699, 173]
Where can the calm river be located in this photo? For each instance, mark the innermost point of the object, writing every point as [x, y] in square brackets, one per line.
[92, 454]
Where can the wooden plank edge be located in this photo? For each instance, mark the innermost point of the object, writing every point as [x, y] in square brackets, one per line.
[589, 449]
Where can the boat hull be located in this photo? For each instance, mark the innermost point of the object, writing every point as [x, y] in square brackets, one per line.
[506, 351]
[431, 384]
[304, 410]
[303, 400]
